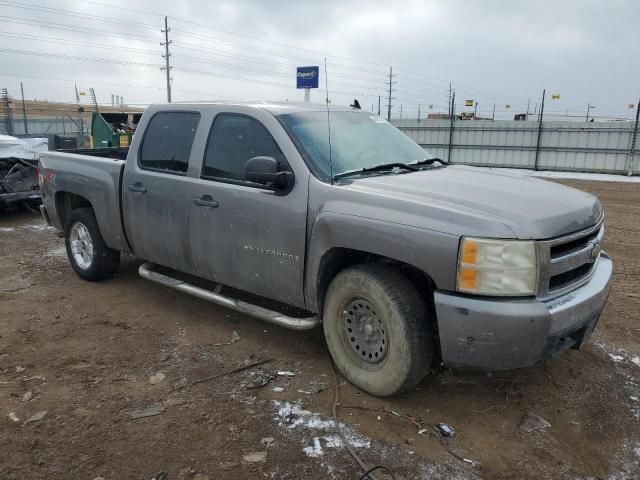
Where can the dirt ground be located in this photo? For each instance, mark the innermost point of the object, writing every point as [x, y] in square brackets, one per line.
[85, 353]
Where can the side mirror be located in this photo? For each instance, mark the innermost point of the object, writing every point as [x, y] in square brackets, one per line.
[264, 170]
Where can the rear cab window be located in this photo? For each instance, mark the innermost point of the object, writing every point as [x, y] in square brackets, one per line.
[167, 142]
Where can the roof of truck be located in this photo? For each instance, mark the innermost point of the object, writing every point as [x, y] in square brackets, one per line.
[274, 107]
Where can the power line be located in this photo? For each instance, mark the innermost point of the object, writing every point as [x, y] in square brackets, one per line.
[261, 81]
[197, 36]
[121, 8]
[232, 33]
[73, 28]
[114, 84]
[39, 38]
[77, 57]
[70, 13]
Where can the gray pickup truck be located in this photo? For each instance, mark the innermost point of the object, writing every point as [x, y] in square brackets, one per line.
[304, 218]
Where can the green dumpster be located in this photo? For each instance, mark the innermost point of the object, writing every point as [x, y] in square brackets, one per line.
[113, 129]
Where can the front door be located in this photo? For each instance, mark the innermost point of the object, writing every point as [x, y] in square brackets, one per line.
[243, 234]
[156, 191]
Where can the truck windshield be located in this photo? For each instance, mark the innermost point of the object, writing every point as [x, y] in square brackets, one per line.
[359, 140]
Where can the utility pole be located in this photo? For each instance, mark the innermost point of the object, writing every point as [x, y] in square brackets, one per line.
[535, 162]
[493, 115]
[418, 113]
[452, 110]
[588, 108]
[528, 103]
[391, 82]
[166, 56]
[633, 140]
[24, 111]
[378, 105]
[401, 112]
[475, 111]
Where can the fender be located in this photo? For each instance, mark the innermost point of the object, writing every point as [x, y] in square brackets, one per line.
[434, 253]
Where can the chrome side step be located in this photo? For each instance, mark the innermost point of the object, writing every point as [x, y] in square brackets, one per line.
[146, 271]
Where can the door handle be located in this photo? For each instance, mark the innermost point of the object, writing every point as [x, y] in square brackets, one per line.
[136, 187]
[205, 201]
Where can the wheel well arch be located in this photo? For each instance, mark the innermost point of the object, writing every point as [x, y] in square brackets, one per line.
[337, 259]
[66, 202]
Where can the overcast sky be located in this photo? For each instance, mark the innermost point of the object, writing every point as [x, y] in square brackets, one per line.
[503, 52]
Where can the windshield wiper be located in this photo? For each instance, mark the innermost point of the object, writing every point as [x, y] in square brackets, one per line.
[376, 168]
[428, 161]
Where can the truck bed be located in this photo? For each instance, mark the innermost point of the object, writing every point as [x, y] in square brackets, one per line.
[97, 179]
[118, 153]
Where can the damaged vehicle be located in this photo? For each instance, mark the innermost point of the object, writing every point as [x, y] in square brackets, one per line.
[303, 217]
[18, 171]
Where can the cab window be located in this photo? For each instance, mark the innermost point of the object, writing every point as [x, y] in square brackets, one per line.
[233, 140]
[167, 141]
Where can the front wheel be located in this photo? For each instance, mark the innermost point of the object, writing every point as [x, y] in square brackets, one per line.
[89, 256]
[377, 329]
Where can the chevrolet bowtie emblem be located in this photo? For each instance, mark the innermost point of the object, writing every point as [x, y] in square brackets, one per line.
[595, 251]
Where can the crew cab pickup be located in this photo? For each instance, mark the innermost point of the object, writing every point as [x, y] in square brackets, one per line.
[304, 217]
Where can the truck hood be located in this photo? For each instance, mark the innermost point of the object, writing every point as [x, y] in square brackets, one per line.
[531, 208]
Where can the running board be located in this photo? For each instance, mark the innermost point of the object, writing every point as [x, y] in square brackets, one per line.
[146, 271]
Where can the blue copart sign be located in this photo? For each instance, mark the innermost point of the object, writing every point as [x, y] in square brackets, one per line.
[307, 77]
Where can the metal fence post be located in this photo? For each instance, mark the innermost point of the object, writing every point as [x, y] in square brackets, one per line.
[535, 162]
[24, 111]
[634, 137]
[452, 112]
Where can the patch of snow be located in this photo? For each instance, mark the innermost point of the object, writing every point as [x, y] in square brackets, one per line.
[293, 416]
[636, 360]
[616, 358]
[7, 229]
[57, 252]
[626, 460]
[39, 226]
[320, 439]
[314, 450]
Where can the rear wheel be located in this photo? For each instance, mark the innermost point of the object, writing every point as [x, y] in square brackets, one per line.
[89, 256]
[377, 330]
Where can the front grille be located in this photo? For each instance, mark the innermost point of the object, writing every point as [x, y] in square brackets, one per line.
[573, 246]
[567, 278]
[567, 262]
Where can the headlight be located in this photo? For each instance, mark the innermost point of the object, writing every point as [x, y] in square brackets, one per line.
[497, 267]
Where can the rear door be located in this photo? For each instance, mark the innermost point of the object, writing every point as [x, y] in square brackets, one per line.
[156, 192]
[242, 234]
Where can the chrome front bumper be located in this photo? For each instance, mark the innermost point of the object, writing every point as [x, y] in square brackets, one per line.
[500, 334]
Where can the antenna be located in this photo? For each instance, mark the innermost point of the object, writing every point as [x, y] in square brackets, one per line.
[326, 89]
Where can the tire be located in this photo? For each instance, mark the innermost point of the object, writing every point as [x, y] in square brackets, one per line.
[82, 228]
[376, 327]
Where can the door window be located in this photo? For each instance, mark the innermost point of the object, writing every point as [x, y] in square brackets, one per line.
[233, 140]
[167, 141]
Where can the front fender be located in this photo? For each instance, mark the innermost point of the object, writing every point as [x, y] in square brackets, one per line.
[434, 253]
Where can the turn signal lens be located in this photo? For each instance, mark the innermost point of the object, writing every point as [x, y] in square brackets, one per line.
[467, 278]
[470, 252]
